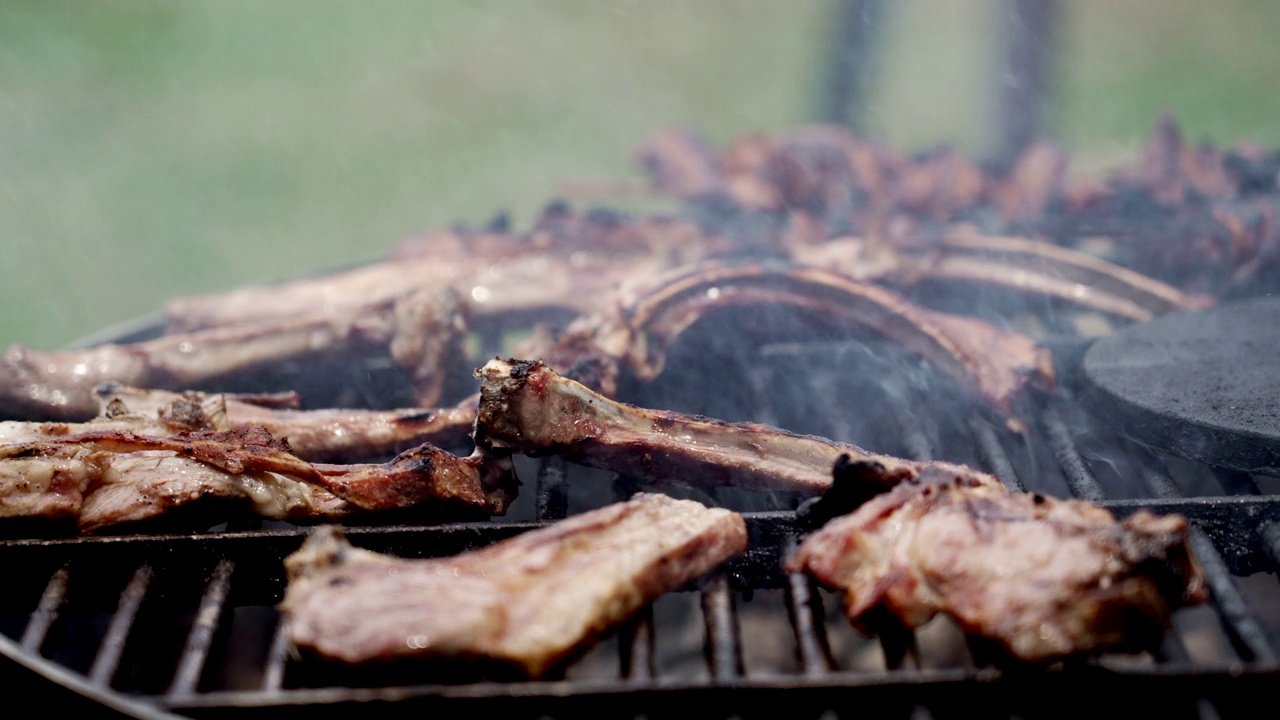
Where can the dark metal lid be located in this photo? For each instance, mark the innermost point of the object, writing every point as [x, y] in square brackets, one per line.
[1203, 385]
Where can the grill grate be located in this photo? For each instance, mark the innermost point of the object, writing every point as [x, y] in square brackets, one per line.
[186, 623]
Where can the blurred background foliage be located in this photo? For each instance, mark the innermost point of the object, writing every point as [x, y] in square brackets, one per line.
[151, 148]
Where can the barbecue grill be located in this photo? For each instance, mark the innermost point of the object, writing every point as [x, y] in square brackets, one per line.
[149, 624]
[163, 624]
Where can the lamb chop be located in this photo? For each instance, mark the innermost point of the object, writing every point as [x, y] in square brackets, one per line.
[558, 266]
[319, 435]
[531, 602]
[102, 477]
[527, 407]
[423, 332]
[1043, 578]
[634, 335]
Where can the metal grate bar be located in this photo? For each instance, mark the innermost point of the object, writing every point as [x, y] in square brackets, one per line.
[1077, 474]
[724, 646]
[1157, 479]
[277, 657]
[1242, 626]
[994, 457]
[553, 491]
[636, 647]
[112, 647]
[191, 664]
[804, 608]
[46, 611]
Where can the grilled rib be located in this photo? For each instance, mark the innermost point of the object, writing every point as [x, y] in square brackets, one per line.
[527, 407]
[320, 435]
[558, 266]
[1021, 265]
[532, 602]
[994, 365]
[106, 477]
[423, 332]
[1043, 578]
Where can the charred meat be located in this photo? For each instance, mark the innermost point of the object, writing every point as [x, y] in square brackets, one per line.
[531, 602]
[107, 477]
[1043, 578]
[320, 435]
[527, 407]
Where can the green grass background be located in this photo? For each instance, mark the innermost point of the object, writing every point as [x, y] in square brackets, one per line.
[152, 148]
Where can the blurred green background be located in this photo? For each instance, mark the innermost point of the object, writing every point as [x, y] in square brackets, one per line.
[153, 149]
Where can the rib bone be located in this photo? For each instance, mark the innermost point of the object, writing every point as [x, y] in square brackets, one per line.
[527, 407]
[994, 365]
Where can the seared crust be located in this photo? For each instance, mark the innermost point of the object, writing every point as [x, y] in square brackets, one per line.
[1044, 578]
[532, 601]
[106, 477]
[527, 407]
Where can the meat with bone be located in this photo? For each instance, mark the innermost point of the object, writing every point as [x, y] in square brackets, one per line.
[559, 265]
[993, 365]
[422, 331]
[1043, 578]
[108, 477]
[1019, 265]
[320, 435]
[531, 602]
[1201, 217]
[527, 407]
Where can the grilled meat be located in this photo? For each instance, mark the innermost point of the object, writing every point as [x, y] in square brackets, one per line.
[557, 267]
[1043, 578]
[320, 435]
[532, 602]
[527, 407]
[1201, 217]
[634, 335]
[106, 477]
[422, 331]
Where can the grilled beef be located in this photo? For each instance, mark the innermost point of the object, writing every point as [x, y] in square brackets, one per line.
[531, 602]
[1043, 578]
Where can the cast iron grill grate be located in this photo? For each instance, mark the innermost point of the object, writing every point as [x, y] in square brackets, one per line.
[186, 623]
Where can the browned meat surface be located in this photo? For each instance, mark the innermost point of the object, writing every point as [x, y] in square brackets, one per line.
[328, 434]
[634, 335]
[560, 264]
[1044, 578]
[527, 407]
[106, 477]
[532, 602]
[1200, 216]
[423, 332]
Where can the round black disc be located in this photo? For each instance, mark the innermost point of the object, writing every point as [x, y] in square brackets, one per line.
[1203, 385]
